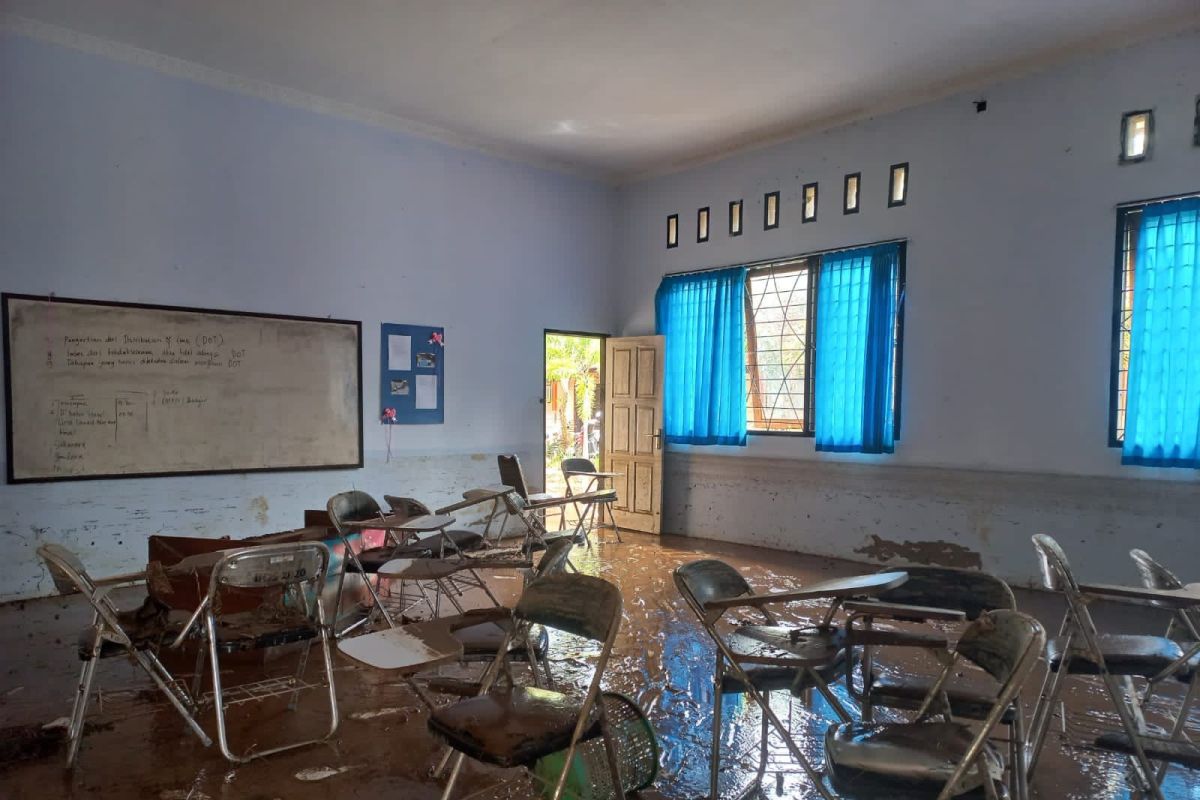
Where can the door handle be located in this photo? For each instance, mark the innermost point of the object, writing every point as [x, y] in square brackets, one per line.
[657, 437]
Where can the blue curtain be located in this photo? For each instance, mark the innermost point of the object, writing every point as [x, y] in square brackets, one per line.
[1162, 416]
[855, 350]
[703, 319]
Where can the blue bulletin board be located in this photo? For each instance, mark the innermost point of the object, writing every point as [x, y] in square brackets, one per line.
[412, 368]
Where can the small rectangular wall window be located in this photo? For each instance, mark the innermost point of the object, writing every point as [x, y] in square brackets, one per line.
[810, 203]
[673, 231]
[898, 185]
[770, 211]
[702, 225]
[735, 217]
[850, 193]
[1196, 124]
[1137, 128]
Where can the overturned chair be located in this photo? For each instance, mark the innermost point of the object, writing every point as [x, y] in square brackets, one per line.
[938, 756]
[136, 634]
[759, 659]
[515, 726]
[289, 578]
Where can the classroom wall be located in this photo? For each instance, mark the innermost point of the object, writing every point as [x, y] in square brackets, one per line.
[118, 182]
[1010, 221]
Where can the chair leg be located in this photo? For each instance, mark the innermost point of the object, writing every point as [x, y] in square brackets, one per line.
[715, 757]
[458, 762]
[83, 694]
[218, 695]
[1043, 712]
[299, 678]
[163, 680]
[1140, 761]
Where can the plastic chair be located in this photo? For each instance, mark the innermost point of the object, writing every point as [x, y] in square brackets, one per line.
[511, 726]
[810, 661]
[1080, 649]
[113, 632]
[583, 468]
[928, 591]
[941, 758]
[295, 572]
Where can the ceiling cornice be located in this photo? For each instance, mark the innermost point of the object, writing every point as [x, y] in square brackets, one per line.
[281, 95]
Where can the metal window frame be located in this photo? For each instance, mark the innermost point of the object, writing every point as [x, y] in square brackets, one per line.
[804, 217]
[846, 209]
[903, 201]
[672, 243]
[1124, 159]
[704, 214]
[767, 226]
[741, 217]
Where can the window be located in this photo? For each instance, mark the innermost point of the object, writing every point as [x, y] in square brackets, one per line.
[735, 217]
[781, 299]
[771, 211]
[673, 231]
[1173, 223]
[810, 203]
[1136, 129]
[898, 185]
[702, 225]
[850, 193]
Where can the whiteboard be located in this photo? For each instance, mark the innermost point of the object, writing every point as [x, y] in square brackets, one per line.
[101, 390]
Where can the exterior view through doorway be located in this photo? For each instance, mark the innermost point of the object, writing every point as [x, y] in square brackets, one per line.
[573, 424]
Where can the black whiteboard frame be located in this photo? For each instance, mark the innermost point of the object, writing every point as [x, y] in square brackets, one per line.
[6, 297]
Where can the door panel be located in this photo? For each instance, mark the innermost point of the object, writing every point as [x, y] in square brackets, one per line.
[634, 443]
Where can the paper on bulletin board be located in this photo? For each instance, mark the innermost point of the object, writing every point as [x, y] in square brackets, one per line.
[399, 353]
[427, 393]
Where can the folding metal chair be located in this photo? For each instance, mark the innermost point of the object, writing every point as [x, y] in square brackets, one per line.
[511, 474]
[1079, 649]
[941, 758]
[356, 506]
[1184, 628]
[583, 467]
[537, 537]
[511, 726]
[759, 659]
[934, 595]
[461, 541]
[291, 577]
[135, 634]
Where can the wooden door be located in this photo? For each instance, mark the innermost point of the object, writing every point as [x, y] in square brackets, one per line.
[633, 436]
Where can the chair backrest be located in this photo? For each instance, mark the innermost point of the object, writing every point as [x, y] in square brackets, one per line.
[1005, 643]
[576, 603]
[577, 465]
[66, 570]
[354, 506]
[512, 475]
[270, 565]
[554, 560]
[1154, 575]
[969, 591]
[1056, 572]
[704, 581]
[406, 506]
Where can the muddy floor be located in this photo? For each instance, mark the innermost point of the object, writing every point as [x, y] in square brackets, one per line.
[136, 746]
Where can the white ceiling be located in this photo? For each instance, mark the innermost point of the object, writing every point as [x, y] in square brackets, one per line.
[617, 88]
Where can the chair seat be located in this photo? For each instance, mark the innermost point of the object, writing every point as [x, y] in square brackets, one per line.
[918, 758]
[783, 646]
[908, 692]
[767, 678]
[1143, 656]
[264, 627]
[511, 728]
[483, 640]
[146, 626]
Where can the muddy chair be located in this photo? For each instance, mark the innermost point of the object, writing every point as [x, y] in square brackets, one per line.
[584, 468]
[442, 542]
[759, 659]
[1081, 650]
[937, 756]
[943, 595]
[136, 634]
[291, 577]
[1176, 747]
[514, 726]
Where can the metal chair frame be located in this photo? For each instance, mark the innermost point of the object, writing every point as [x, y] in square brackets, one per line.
[582, 605]
[734, 585]
[595, 482]
[290, 567]
[1078, 628]
[70, 577]
[1005, 643]
[927, 591]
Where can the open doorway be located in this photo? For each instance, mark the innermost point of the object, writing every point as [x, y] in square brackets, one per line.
[574, 402]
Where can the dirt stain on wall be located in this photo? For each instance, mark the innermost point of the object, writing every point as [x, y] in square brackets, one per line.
[939, 553]
[260, 507]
